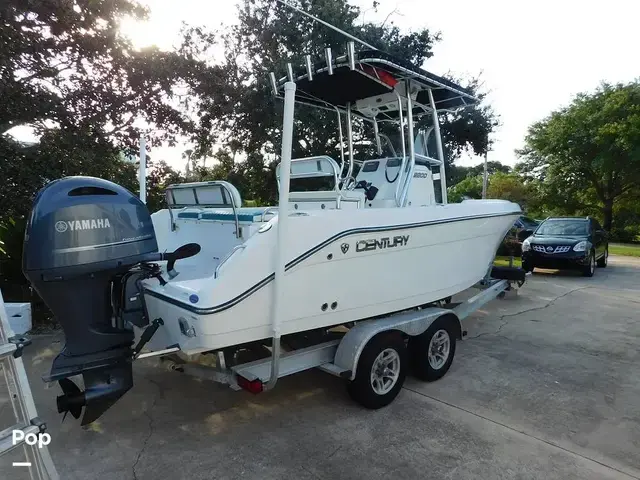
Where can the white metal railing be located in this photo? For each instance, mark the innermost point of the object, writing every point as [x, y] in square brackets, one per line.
[436, 127]
[242, 246]
[195, 187]
[314, 166]
[404, 148]
[412, 149]
[268, 211]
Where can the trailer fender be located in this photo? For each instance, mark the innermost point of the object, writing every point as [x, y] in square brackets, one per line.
[410, 323]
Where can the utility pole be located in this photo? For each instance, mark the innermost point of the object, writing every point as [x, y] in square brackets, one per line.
[486, 173]
[142, 173]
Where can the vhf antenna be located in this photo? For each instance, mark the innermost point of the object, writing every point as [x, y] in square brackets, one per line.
[348, 35]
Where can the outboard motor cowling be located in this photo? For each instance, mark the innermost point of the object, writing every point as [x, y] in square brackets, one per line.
[82, 234]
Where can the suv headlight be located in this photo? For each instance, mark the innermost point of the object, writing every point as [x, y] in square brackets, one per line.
[526, 245]
[580, 246]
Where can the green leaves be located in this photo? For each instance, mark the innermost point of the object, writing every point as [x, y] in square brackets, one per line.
[588, 153]
[238, 107]
[11, 235]
[66, 64]
[512, 187]
[470, 187]
[5, 230]
[66, 70]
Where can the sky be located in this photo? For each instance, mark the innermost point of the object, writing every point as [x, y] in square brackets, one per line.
[533, 57]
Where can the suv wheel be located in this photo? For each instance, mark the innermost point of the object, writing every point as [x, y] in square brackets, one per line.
[590, 269]
[602, 263]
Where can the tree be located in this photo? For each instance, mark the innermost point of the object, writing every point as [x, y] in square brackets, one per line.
[65, 64]
[159, 176]
[588, 154]
[66, 71]
[459, 173]
[500, 185]
[266, 37]
[492, 167]
[626, 227]
[470, 187]
[25, 169]
[510, 186]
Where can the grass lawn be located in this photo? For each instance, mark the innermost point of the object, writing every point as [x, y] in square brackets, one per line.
[504, 261]
[629, 250]
[626, 249]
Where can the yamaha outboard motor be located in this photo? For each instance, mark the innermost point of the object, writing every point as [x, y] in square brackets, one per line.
[83, 234]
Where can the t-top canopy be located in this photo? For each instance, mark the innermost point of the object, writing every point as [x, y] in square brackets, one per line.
[368, 84]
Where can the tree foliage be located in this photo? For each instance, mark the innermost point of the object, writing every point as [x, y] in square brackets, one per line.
[501, 184]
[247, 118]
[27, 168]
[512, 187]
[66, 71]
[66, 64]
[459, 173]
[469, 187]
[588, 153]
[626, 214]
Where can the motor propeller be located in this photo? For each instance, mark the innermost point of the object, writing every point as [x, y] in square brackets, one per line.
[103, 388]
[68, 402]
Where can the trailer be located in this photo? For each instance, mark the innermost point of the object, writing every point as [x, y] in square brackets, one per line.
[373, 356]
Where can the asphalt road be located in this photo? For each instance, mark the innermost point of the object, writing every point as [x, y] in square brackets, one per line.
[546, 386]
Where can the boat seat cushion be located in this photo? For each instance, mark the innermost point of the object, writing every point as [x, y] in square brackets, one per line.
[245, 215]
[312, 196]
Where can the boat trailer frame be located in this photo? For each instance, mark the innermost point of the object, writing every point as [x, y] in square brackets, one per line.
[339, 357]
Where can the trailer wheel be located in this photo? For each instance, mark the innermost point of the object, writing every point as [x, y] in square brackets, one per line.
[432, 352]
[381, 371]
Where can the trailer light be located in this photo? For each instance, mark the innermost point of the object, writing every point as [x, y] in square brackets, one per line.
[253, 386]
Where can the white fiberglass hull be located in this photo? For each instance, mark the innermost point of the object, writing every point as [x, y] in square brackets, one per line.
[342, 266]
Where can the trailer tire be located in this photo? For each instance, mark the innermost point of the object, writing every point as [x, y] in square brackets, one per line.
[382, 368]
[431, 353]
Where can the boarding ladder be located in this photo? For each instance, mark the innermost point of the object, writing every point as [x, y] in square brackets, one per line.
[38, 461]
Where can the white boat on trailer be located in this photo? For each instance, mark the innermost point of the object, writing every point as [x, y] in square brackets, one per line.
[372, 254]
[373, 244]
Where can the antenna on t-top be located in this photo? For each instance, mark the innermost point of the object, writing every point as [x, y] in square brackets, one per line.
[348, 35]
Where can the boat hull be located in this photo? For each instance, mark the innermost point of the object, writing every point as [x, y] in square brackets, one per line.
[356, 273]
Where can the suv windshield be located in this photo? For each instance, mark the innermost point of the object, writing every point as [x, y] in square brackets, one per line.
[563, 227]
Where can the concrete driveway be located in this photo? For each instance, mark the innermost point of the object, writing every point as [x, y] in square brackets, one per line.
[546, 386]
